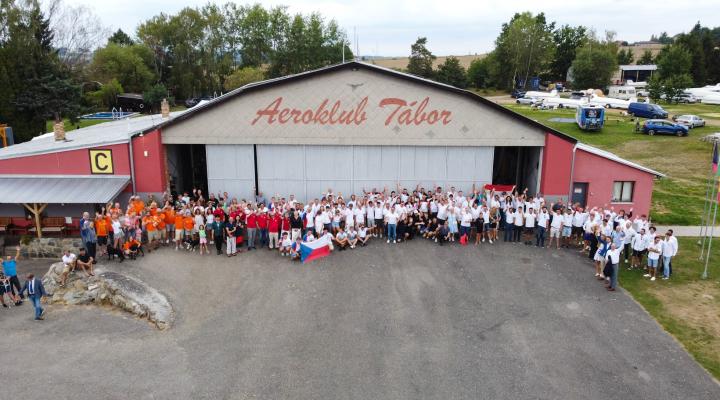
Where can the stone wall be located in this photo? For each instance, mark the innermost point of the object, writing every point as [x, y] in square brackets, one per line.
[48, 247]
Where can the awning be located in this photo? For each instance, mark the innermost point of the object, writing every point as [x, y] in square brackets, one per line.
[68, 189]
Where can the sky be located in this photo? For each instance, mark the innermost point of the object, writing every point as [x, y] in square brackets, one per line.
[453, 27]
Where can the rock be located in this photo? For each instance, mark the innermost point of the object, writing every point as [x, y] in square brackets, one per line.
[126, 293]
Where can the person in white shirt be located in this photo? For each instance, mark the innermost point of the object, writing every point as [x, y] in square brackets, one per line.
[509, 224]
[285, 245]
[542, 224]
[378, 213]
[465, 222]
[362, 234]
[613, 257]
[578, 221]
[530, 218]
[567, 228]
[555, 226]
[68, 260]
[349, 216]
[655, 250]
[639, 245]
[391, 218]
[627, 244]
[670, 249]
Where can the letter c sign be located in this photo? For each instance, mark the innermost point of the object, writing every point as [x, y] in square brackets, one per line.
[101, 162]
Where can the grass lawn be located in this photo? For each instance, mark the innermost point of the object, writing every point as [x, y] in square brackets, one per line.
[678, 199]
[686, 306]
[69, 126]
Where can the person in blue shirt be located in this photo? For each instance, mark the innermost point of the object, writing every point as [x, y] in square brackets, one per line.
[9, 266]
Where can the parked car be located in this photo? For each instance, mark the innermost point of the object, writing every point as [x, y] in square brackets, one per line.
[686, 98]
[647, 110]
[691, 121]
[528, 101]
[517, 94]
[653, 126]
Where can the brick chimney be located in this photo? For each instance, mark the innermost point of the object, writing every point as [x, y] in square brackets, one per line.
[59, 130]
[165, 108]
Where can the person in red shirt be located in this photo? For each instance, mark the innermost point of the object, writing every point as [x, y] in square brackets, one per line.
[262, 224]
[274, 221]
[251, 222]
[285, 224]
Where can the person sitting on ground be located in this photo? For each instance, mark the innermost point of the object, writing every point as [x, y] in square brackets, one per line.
[285, 244]
[132, 247]
[362, 235]
[442, 234]
[68, 260]
[352, 237]
[295, 249]
[341, 239]
[85, 262]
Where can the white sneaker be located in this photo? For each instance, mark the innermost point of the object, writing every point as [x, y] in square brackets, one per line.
[625, 261]
[596, 274]
[665, 278]
[388, 241]
[490, 241]
[483, 239]
[646, 275]
[435, 240]
[652, 279]
[395, 241]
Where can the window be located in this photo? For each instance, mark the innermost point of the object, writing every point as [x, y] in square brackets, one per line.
[623, 192]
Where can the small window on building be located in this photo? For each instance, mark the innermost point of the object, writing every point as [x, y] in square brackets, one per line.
[623, 192]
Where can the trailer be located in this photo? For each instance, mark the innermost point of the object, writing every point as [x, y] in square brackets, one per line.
[590, 117]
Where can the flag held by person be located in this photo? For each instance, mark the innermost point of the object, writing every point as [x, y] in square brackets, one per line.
[319, 248]
[715, 159]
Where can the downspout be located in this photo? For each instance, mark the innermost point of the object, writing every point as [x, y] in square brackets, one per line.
[572, 174]
[132, 165]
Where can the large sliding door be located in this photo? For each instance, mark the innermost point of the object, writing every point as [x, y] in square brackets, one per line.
[230, 168]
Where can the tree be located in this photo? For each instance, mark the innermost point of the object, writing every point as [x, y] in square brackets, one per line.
[421, 59]
[478, 73]
[77, 31]
[655, 88]
[664, 38]
[452, 73]
[625, 57]
[594, 64]
[646, 58]
[154, 96]
[132, 66]
[676, 85]
[567, 40]
[673, 60]
[106, 97]
[243, 76]
[526, 47]
[120, 38]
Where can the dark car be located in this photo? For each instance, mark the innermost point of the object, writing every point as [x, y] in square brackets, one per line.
[646, 110]
[517, 94]
[653, 126]
[192, 102]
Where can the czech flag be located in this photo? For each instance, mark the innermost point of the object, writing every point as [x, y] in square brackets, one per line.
[313, 250]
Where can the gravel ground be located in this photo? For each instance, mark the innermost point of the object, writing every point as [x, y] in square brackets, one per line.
[406, 321]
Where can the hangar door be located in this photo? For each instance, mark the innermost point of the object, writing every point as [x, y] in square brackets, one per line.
[308, 171]
[230, 168]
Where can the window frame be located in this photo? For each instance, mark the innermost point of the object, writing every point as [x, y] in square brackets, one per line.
[622, 199]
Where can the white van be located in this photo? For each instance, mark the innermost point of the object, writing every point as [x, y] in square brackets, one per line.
[622, 92]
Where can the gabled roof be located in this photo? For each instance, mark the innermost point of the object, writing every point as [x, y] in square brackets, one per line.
[610, 156]
[252, 87]
[68, 189]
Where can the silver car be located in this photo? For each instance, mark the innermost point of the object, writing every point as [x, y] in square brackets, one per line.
[691, 121]
[528, 101]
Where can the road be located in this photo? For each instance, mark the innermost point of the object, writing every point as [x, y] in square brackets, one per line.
[406, 321]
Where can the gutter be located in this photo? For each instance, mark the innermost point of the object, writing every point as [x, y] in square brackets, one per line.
[132, 164]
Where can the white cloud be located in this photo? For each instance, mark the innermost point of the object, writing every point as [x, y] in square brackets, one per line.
[451, 26]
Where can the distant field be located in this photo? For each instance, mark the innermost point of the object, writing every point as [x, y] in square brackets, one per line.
[402, 62]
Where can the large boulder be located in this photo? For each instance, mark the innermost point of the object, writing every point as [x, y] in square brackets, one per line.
[110, 288]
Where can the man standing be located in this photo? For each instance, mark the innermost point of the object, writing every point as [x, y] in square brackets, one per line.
[613, 257]
[10, 269]
[542, 223]
[670, 250]
[230, 229]
[35, 291]
[251, 221]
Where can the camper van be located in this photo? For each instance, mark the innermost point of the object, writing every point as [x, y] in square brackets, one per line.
[622, 92]
[590, 117]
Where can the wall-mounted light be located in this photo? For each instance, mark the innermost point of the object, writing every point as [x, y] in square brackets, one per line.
[145, 153]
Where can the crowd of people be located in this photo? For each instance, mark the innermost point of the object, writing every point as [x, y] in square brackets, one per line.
[195, 223]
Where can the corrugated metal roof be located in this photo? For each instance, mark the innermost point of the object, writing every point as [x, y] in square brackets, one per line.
[613, 157]
[106, 133]
[78, 189]
[647, 67]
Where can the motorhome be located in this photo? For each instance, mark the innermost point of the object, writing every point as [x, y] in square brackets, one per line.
[622, 92]
[701, 92]
[590, 117]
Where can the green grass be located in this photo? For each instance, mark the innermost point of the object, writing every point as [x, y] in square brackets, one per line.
[678, 199]
[69, 126]
[686, 306]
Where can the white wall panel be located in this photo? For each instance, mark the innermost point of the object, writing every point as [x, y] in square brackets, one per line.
[230, 168]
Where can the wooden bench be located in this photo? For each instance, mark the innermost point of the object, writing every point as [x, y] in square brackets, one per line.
[51, 225]
[19, 225]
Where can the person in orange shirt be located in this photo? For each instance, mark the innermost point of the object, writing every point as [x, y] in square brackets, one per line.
[132, 247]
[102, 223]
[169, 223]
[188, 224]
[138, 205]
[178, 229]
[150, 223]
[160, 217]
